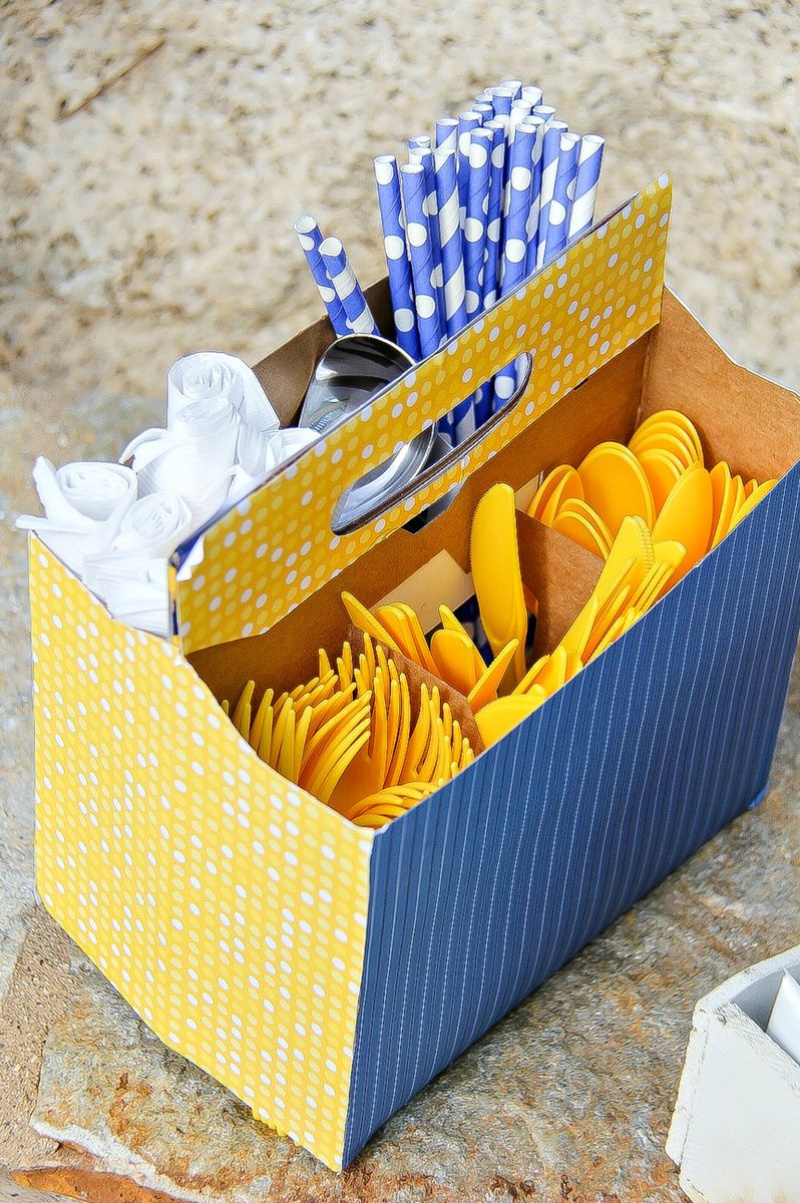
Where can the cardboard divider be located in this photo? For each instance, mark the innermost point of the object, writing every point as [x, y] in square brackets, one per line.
[561, 575]
[741, 417]
[416, 677]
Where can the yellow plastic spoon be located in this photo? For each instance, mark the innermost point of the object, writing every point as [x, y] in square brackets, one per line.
[686, 516]
[615, 486]
[579, 522]
[494, 561]
[454, 662]
[498, 717]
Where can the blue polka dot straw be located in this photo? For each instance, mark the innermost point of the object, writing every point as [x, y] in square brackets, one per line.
[537, 125]
[418, 236]
[467, 122]
[310, 238]
[348, 290]
[590, 159]
[446, 134]
[558, 221]
[515, 239]
[501, 101]
[494, 215]
[390, 201]
[550, 151]
[475, 222]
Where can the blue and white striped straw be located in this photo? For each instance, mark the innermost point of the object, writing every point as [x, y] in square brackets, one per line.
[561, 204]
[480, 149]
[387, 178]
[545, 111]
[515, 239]
[310, 238]
[514, 86]
[532, 94]
[485, 108]
[590, 159]
[538, 126]
[446, 134]
[550, 149]
[348, 290]
[418, 142]
[494, 214]
[418, 236]
[467, 122]
[424, 156]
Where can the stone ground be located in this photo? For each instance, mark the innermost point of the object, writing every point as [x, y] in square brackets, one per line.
[156, 219]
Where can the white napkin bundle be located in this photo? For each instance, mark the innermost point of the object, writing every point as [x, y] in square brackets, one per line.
[116, 525]
[84, 505]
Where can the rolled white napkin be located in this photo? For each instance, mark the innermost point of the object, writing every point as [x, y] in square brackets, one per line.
[132, 577]
[208, 374]
[195, 458]
[84, 505]
[261, 453]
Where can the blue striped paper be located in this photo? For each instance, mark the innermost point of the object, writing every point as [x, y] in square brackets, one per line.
[482, 891]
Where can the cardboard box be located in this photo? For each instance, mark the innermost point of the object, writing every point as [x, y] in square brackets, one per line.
[324, 972]
[734, 1133]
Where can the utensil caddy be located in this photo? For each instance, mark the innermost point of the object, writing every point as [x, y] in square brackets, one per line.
[325, 973]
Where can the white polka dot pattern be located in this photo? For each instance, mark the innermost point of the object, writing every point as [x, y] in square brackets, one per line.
[276, 548]
[226, 905]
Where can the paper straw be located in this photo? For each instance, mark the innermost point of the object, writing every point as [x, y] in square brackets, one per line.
[467, 122]
[514, 86]
[451, 240]
[425, 160]
[520, 111]
[515, 242]
[485, 108]
[387, 178]
[558, 219]
[310, 237]
[532, 95]
[501, 101]
[494, 214]
[412, 177]
[458, 425]
[446, 134]
[418, 142]
[538, 126]
[545, 111]
[550, 150]
[590, 159]
[475, 222]
[348, 290]
[208, 374]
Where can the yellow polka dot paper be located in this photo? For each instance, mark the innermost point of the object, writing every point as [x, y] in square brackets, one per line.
[226, 905]
[277, 547]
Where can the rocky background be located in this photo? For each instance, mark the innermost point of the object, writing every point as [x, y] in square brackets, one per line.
[154, 218]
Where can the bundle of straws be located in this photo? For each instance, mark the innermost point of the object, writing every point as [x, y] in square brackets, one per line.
[493, 196]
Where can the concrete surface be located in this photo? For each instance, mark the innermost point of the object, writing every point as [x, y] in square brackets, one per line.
[157, 219]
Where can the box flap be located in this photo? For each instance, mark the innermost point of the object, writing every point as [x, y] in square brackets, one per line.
[266, 555]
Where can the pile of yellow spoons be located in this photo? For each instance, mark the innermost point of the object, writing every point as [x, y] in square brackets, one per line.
[637, 572]
[348, 737]
[660, 477]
